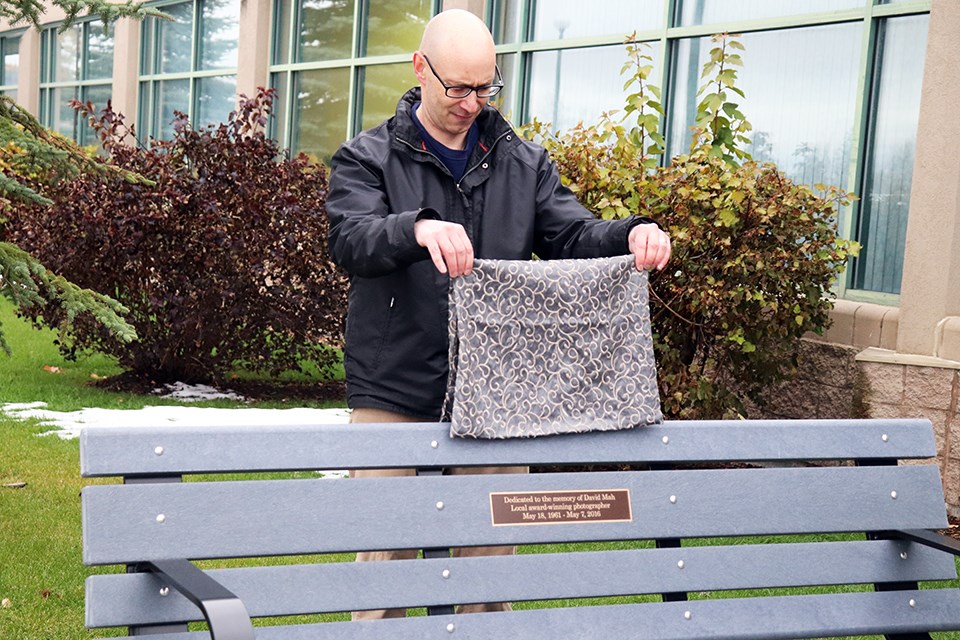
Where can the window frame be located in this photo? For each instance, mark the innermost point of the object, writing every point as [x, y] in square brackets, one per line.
[49, 85]
[149, 75]
[17, 34]
[283, 65]
[871, 13]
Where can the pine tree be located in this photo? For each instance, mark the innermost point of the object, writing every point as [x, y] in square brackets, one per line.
[32, 157]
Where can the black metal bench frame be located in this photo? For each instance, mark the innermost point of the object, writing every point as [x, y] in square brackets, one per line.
[679, 487]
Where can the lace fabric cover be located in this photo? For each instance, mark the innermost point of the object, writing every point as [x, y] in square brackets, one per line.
[553, 346]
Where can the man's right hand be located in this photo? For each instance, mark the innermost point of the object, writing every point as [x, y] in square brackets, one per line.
[448, 244]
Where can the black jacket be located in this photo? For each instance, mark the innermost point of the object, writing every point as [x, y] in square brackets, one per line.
[512, 204]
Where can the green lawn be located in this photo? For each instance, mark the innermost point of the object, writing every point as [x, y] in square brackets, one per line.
[41, 575]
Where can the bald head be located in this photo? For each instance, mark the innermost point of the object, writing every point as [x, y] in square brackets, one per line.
[457, 34]
[456, 52]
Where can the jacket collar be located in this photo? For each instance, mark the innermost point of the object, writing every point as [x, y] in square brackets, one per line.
[492, 124]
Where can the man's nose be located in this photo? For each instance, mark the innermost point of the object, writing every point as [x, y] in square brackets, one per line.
[473, 102]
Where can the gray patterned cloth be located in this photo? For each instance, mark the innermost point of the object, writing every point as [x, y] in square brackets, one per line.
[552, 346]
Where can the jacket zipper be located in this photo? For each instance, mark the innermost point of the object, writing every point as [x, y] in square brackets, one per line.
[485, 156]
[468, 171]
[465, 173]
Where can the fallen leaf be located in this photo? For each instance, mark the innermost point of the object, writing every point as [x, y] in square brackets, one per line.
[51, 369]
[94, 376]
[45, 594]
[5, 603]
[15, 485]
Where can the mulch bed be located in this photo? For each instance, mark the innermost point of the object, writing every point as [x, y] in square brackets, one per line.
[274, 390]
[954, 530]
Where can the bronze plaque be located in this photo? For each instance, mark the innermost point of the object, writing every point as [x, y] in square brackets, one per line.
[560, 507]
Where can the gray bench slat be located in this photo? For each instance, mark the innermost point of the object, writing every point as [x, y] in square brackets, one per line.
[134, 599]
[280, 517]
[107, 451]
[779, 617]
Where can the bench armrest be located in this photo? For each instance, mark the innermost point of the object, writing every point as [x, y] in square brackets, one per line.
[930, 539]
[224, 612]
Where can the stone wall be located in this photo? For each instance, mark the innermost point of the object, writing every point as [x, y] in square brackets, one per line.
[829, 384]
[912, 391]
[836, 381]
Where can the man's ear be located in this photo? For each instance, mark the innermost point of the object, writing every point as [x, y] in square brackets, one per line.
[419, 66]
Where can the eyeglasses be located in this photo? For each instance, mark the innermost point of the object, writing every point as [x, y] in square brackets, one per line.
[462, 91]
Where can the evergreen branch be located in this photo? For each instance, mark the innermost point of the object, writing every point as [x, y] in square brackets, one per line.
[11, 189]
[29, 285]
[29, 149]
[30, 12]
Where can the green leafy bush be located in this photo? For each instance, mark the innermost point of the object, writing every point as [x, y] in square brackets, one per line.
[754, 254]
[222, 262]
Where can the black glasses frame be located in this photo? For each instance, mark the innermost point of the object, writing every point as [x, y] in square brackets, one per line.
[460, 92]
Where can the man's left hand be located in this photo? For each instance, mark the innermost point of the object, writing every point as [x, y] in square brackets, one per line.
[650, 246]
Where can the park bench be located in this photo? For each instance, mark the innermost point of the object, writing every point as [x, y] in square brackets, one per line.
[703, 519]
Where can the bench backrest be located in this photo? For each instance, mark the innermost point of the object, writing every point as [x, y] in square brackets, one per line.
[226, 518]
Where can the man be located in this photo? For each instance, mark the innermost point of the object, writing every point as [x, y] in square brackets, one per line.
[414, 200]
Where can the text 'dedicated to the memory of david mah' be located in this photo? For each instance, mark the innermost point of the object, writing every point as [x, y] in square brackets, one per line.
[560, 507]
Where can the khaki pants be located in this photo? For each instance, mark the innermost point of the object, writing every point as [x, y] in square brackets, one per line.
[379, 415]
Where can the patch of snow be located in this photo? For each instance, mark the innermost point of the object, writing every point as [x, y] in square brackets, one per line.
[194, 392]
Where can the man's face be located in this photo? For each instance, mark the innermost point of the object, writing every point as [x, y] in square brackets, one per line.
[446, 118]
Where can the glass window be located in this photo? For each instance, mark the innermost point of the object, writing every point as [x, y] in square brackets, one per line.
[802, 114]
[321, 116]
[326, 29]
[280, 118]
[189, 64]
[163, 98]
[174, 38]
[68, 54]
[804, 84]
[382, 86]
[216, 97]
[99, 46]
[98, 95]
[506, 21]
[339, 67]
[506, 100]
[76, 63]
[558, 19]
[10, 71]
[697, 12]
[395, 27]
[895, 109]
[220, 26]
[568, 86]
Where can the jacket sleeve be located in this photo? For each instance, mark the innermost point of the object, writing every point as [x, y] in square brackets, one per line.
[366, 237]
[565, 229]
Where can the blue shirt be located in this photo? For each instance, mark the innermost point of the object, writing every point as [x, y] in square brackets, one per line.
[455, 160]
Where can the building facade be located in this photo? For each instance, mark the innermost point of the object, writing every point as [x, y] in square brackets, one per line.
[853, 93]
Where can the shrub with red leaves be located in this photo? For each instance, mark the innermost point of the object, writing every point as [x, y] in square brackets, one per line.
[222, 262]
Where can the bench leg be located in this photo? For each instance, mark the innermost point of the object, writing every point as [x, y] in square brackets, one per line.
[896, 586]
[668, 543]
[671, 543]
[442, 610]
[152, 629]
